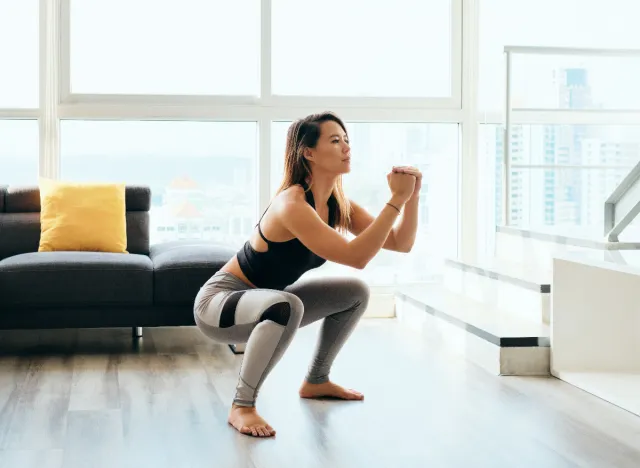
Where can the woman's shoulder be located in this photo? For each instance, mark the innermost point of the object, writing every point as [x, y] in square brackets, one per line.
[289, 204]
[293, 195]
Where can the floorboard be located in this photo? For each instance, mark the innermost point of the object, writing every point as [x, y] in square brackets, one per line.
[96, 398]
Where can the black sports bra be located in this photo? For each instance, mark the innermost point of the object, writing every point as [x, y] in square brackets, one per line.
[284, 262]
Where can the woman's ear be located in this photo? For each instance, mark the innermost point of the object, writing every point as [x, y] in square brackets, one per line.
[307, 153]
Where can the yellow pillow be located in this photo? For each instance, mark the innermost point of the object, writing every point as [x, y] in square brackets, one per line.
[82, 217]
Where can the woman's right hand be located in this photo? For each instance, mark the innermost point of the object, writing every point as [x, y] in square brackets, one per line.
[401, 185]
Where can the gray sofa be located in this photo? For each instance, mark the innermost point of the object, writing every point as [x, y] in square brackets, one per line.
[151, 286]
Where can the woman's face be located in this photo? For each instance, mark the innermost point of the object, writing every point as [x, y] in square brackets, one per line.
[332, 152]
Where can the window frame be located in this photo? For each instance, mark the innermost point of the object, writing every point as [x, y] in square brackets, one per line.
[266, 98]
[36, 113]
[57, 103]
[513, 116]
[264, 108]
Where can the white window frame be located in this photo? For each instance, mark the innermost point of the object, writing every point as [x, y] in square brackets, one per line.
[515, 116]
[586, 116]
[267, 107]
[266, 99]
[57, 103]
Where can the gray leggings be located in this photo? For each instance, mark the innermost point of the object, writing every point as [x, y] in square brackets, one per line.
[229, 311]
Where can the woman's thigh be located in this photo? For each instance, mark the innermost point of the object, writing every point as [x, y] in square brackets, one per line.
[322, 297]
[230, 316]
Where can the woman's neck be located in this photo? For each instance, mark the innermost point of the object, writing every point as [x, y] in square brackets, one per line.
[322, 187]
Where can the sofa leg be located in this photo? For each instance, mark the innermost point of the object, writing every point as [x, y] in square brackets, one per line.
[136, 332]
[238, 348]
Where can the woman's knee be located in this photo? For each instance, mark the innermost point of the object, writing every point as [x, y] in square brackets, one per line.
[359, 290]
[287, 312]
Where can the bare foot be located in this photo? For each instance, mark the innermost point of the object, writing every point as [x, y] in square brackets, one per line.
[328, 389]
[247, 421]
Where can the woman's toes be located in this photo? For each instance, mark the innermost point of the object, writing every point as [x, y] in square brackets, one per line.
[352, 394]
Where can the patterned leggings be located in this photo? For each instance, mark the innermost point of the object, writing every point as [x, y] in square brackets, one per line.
[229, 311]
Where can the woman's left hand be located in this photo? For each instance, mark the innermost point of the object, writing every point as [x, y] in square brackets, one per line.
[413, 171]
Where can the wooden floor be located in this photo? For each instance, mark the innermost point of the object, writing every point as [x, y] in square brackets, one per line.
[90, 398]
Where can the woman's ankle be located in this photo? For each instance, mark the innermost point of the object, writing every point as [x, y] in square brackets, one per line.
[309, 380]
[246, 407]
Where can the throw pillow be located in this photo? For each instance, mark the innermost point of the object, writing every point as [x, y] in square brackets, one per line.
[82, 217]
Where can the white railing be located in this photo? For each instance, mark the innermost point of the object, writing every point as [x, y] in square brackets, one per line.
[623, 205]
[612, 212]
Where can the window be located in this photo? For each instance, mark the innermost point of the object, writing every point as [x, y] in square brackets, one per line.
[362, 48]
[19, 152]
[560, 82]
[19, 57]
[169, 47]
[376, 148]
[556, 206]
[575, 82]
[200, 173]
[574, 197]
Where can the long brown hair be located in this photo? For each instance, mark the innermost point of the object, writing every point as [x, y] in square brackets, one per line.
[304, 133]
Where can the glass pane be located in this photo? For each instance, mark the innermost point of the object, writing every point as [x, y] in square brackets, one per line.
[202, 174]
[376, 148]
[575, 82]
[551, 197]
[608, 145]
[362, 48]
[569, 23]
[19, 36]
[562, 198]
[169, 47]
[19, 148]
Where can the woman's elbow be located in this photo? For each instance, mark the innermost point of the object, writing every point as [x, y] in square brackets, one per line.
[359, 265]
[404, 248]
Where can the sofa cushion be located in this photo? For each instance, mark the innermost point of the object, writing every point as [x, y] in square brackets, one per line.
[75, 279]
[19, 233]
[182, 267]
[22, 199]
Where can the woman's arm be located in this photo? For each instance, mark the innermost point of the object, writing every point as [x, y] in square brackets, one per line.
[402, 237]
[302, 221]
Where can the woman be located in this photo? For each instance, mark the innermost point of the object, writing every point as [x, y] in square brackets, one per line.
[256, 297]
